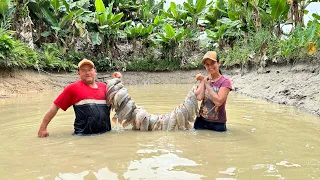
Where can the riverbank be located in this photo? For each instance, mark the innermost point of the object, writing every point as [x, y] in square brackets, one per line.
[291, 85]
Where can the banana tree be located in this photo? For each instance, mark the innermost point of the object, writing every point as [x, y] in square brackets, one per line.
[138, 33]
[226, 31]
[169, 40]
[6, 11]
[4, 7]
[62, 17]
[108, 25]
[252, 6]
[297, 8]
[279, 13]
[129, 8]
[195, 10]
[255, 9]
[216, 12]
[177, 14]
[148, 10]
[158, 23]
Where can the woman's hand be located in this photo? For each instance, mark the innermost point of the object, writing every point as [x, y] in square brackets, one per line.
[207, 81]
[199, 77]
[201, 87]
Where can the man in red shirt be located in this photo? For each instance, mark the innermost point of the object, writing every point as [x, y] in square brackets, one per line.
[88, 99]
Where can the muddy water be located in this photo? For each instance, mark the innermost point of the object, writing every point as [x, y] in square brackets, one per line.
[263, 141]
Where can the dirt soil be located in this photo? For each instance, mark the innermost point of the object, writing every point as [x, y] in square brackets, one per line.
[297, 85]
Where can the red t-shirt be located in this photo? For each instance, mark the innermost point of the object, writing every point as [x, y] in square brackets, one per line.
[79, 91]
[90, 107]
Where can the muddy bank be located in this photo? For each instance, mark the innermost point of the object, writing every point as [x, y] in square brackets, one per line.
[297, 86]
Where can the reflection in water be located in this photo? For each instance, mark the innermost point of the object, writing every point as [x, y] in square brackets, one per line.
[229, 171]
[102, 174]
[263, 141]
[165, 166]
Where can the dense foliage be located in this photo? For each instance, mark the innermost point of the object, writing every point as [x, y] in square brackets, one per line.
[144, 36]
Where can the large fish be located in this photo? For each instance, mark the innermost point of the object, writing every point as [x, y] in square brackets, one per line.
[158, 124]
[119, 97]
[132, 118]
[145, 123]
[113, 81]
[141, 115]
[153, 119]
[165, 124]
[180, 119]
[172, 120]
[184, 111]
[125, 112]
[190, 108]
[194, 100]
[112, 92]
[114, 88]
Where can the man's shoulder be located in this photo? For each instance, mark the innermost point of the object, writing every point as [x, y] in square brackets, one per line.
[101, 84]
[73, 85]
[76, 83]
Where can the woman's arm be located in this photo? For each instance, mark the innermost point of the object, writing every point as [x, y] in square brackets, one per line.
[200, 91]
[217, 98]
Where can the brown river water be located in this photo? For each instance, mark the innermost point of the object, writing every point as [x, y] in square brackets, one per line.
[263, 141]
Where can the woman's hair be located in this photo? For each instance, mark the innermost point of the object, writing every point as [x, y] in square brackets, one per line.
[218, 60]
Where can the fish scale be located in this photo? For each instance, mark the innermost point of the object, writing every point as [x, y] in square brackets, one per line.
[172, 120]
[190, 108]
[180, 119]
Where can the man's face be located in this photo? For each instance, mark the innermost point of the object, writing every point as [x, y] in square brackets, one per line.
[87, 74]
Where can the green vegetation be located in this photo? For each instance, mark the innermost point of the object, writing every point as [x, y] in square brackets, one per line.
[143, 36]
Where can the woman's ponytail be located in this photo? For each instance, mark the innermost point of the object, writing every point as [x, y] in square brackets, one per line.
[218, 60]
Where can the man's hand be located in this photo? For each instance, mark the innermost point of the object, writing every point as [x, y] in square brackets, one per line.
[117, 75]
[43, 133]
[46, 120]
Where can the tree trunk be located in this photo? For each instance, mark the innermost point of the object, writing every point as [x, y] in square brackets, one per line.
[23, 24]
[295, 8]
[114, 50]
[245, 35]
[221, 45]
[195, 23]
[256, 17]
[279, 31]
[301, 14]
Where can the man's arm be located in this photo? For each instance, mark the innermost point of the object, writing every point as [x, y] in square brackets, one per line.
[46, 120]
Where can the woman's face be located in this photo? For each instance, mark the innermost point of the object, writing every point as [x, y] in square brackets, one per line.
[211, 66]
